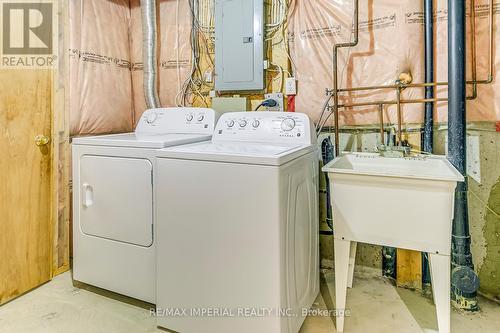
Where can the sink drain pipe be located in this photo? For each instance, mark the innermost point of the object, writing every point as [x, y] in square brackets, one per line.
[328, 154]
[464, 281]
[429, 75]
[427, 139]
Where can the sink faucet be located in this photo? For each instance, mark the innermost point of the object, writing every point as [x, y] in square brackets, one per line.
[394, 151]
[402, 149]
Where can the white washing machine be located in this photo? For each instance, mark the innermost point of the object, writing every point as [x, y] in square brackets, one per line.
[113, 205]
[238, 224]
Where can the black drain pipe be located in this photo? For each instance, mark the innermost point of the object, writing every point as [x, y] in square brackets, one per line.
[389, 254]
[429, 75]
[464, 281]
[428, 139]
[328, 154]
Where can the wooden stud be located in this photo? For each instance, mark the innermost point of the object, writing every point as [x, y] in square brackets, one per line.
[409, 269]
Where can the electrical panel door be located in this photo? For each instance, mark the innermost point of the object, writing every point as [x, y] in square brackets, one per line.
[239, 47]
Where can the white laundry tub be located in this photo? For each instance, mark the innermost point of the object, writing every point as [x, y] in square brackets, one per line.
[400, 202]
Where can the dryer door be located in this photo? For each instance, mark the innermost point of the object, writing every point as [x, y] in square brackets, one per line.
[116, 199]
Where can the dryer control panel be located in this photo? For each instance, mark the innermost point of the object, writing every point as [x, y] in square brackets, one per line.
[270, 127]
[177, 120]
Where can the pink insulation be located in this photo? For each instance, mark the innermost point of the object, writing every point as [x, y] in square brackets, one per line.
[100, 82]
[106, 59]
[106, 93]
[486, 107]
[390, 42]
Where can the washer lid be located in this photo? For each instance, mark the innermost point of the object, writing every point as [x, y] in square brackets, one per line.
[138, 140]
[237, 152]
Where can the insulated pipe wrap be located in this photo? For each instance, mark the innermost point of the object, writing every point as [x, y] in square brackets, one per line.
[149, 51]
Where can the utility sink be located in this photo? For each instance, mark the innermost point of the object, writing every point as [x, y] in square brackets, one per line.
[402, 202]
[433, 167]
[399, 202]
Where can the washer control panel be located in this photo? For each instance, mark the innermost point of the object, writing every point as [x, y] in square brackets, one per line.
[177, 120]
[272, 127]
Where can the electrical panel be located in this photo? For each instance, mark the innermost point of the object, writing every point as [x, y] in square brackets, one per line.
[239, 45]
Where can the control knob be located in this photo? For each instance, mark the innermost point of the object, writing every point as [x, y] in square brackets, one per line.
[256, 123]
[243, 123]
[151, 118]
[288, 124]
[189, 117]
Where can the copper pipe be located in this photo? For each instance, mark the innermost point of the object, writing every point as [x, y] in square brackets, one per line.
[335, 91]
[407, 85]
[392, 102]
[473, 47]
[381, 115]
[335, 74]
[490, 44]
[403, 86]
[474, 80]
[394, 86]
[400, 116]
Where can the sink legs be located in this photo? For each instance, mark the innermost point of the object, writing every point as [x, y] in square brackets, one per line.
[345, 255]
[352, 260]
[440, 276]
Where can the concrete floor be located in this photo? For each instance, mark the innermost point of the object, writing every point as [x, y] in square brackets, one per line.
[376, 306]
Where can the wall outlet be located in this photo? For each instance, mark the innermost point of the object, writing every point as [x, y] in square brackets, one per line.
[291, 86]
[209, 78]
[278, 97]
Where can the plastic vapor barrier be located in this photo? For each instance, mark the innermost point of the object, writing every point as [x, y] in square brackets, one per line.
[485, 107]
[106, 93]
[106, 88]
[391, 42]
[100, 82]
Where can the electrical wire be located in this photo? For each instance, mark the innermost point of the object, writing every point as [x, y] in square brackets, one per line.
[277, 19]
[282, 73]
[201, 42]
[325, 106]
[177, 48]
[259, 106]
[275, 35]
[290, 9]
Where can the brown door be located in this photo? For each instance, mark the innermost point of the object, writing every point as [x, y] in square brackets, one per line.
[25, 180]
